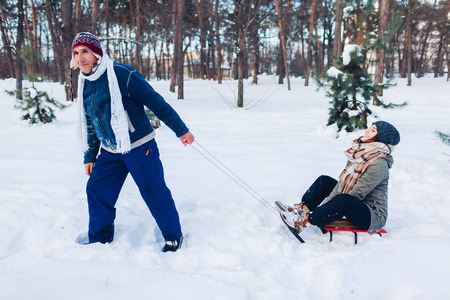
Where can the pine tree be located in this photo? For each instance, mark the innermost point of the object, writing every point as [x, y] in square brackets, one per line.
[444, 137]
[37, 106]
[351, 89]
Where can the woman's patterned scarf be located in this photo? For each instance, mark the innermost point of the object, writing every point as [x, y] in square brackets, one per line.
[360, 155]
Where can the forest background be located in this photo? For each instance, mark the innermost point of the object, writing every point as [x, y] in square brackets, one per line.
[233, 247]
[175, 39]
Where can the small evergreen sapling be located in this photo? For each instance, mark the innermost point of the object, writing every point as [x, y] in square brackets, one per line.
[444, 137]
[37, 106]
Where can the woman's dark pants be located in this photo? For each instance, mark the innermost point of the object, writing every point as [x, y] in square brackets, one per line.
[342, 205]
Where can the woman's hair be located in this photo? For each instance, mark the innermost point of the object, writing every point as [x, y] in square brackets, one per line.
[374, 139]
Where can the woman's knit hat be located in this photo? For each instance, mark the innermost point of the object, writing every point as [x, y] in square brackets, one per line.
[387, 133]
[88, 40]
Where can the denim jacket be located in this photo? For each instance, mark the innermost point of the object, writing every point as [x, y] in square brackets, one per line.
[136, 93]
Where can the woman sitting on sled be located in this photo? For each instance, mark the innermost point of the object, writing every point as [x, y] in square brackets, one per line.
[360, 195]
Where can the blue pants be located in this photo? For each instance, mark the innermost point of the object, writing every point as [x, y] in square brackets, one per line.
[106, 181]
[342, 205]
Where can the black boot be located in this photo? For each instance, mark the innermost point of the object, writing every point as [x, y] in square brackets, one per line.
[106, 234]
[173, 246]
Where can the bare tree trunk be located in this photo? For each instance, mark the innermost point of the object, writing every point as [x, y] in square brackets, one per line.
[439, 62]
[19, 41]
[244, 13]
[57, 45]
[28, 35]
[448, 68]
[166, 65]
[173, 79]
[157, 63]
[107, 21]
[327, 42]
[337, 44]
[6, 43]
[94, 16]
[303, 56]
[139, 62]
[409, 43]
[77, 12]
[245, 59]
[379, 72]
[297, 63]
[219, 46]
[211, 38]
[283, 41]
[67, 37]
[424, 49]
[255, 67]
[240, 66]
[154, 42]
[389, 61]
[34, 64]
[149, 64]
[201, 18]
[179, 49]
[177, 61]
[310, 36]
[256, 58]
[280, 63]
[318, 56]
[360, 38]
[133, 59]
[402, 55]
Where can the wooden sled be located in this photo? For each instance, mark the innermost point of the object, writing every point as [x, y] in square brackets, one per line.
[345, 225]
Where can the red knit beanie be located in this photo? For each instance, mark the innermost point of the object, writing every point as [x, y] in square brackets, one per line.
[89, 41]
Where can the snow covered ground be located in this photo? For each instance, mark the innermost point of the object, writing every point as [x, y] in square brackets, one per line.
[235, 248]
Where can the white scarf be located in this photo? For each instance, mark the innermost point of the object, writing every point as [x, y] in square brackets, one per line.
[119, 122]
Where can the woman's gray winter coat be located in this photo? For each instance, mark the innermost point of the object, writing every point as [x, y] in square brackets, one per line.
[372, 189]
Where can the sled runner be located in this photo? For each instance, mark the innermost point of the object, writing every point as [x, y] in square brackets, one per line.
[294, 231]
[345, 225]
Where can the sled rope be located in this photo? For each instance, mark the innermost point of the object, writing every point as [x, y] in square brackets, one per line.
[216, 162]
